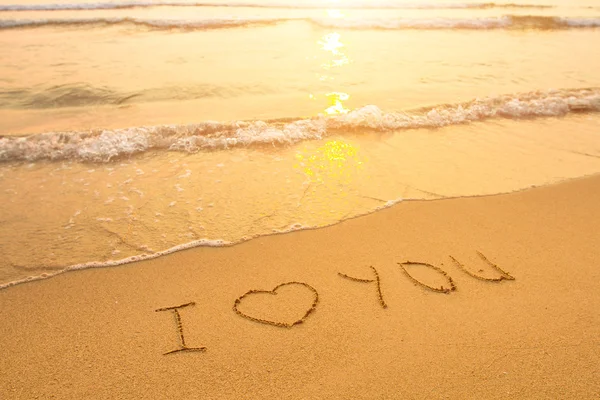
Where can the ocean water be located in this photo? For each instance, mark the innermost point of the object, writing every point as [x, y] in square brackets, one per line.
[131, 129]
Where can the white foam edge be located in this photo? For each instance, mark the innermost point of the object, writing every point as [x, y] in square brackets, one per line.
[123, 261]
[112, 143]
[294, 227]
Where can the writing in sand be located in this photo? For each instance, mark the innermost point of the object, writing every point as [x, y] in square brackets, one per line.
[374, 279]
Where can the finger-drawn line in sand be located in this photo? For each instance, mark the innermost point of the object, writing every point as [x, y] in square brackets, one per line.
[503, 274]
[274, 293]
[441, 289]
[376, 280]
[182, 345]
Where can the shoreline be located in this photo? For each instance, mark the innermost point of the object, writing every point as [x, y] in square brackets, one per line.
[219, 243]
[104, 332]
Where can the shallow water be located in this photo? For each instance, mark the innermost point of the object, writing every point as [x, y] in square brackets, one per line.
[131, 128]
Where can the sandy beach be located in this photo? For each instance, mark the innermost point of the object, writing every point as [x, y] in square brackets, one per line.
[97, 333]
[318, 199]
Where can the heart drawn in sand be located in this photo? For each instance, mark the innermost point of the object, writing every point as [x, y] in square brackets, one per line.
[273, 292]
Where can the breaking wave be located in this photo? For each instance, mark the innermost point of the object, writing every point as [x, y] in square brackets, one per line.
[104, 145]
[303, 5]
[505, 22]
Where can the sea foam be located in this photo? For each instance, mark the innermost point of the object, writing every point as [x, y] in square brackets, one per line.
[504, 22]
[102, 145]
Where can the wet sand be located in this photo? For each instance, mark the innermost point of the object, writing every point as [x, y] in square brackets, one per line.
[96, 333]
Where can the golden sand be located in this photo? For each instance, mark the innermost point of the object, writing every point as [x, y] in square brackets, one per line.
[97, 333]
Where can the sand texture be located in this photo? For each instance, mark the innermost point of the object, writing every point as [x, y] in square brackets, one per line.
[365, 309]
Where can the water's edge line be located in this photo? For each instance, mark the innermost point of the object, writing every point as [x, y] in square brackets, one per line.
[217, 243]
